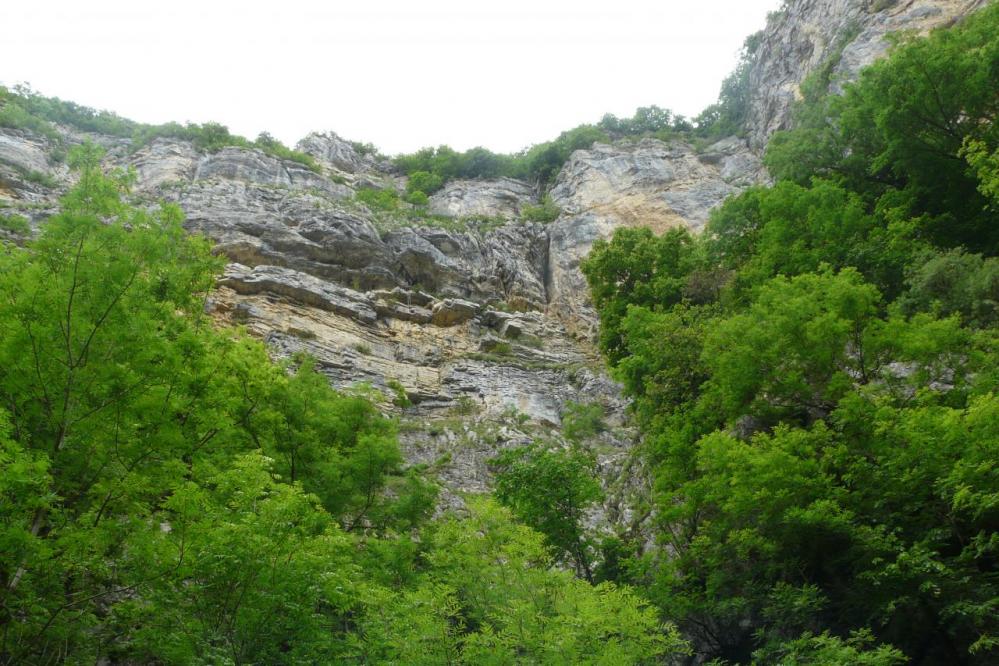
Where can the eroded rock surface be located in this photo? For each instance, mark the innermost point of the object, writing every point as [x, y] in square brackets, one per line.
[655, 184]
[648, 183]
[503, 197]
[164, 161]
[25, 151]
[848, 34]
[339, 155]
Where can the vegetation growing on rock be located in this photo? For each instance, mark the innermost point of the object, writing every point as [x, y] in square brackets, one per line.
[23, 108]
[814, 378]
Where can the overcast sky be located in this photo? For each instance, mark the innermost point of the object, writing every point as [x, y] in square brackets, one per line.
[400, 74]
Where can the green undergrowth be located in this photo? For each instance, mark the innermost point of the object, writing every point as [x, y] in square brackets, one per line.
[23, 108]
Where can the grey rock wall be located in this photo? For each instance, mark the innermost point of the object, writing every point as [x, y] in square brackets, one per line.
[851, 34]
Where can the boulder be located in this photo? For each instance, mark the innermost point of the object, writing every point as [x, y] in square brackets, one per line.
[453, 311]
[501, 197]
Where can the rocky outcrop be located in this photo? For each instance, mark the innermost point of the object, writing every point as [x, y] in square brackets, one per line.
[255, 166]
[453, 311]
[256, 224]
[648, 183]
[503, 265]
[336, 153]
[503, 197]
[459, 352]
[163, 162]
[845, 34]
[30, 172]
[655, 184]
[300, 288]
[25, 151]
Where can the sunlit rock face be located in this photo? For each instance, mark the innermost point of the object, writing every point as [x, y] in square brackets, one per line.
[647, 183]
[502, 197]
[484, 323]
[333, 152]
[847, 34]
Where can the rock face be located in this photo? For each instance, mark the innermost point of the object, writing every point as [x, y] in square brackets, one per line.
[338, 154]
[24, 151]
[655, 184]
[27, 167]
[505, 265]
[648, 183]
[486, 325]
[503, 197]
[849, 34]
[257, 167]
[164, 161]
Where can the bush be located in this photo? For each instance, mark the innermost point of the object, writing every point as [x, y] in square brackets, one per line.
[15, 116]
[275, 148]
[384, 200]
[15, 224]
[648, 120]
[582, 421]
[544, 212]
[417, 198]
[36, 112]
[465, 406]
[432, 167]
[364, 148]
[424, 181]
[401, 398]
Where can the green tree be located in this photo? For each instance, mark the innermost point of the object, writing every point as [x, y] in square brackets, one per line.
[898, 135]
[424, 181]
[551, 490]
[548, 617]
[636, 268]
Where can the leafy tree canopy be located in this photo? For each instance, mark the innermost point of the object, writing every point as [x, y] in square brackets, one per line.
[815, 378]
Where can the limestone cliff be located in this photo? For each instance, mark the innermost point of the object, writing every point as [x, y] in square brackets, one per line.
[844, 35]
[483, 321]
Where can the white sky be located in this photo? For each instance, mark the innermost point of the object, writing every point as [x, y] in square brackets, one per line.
[399, 74]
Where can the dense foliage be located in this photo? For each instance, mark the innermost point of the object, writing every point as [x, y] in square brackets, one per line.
[169, 495]
[816, 378]
[432, 167]
[550, 490]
